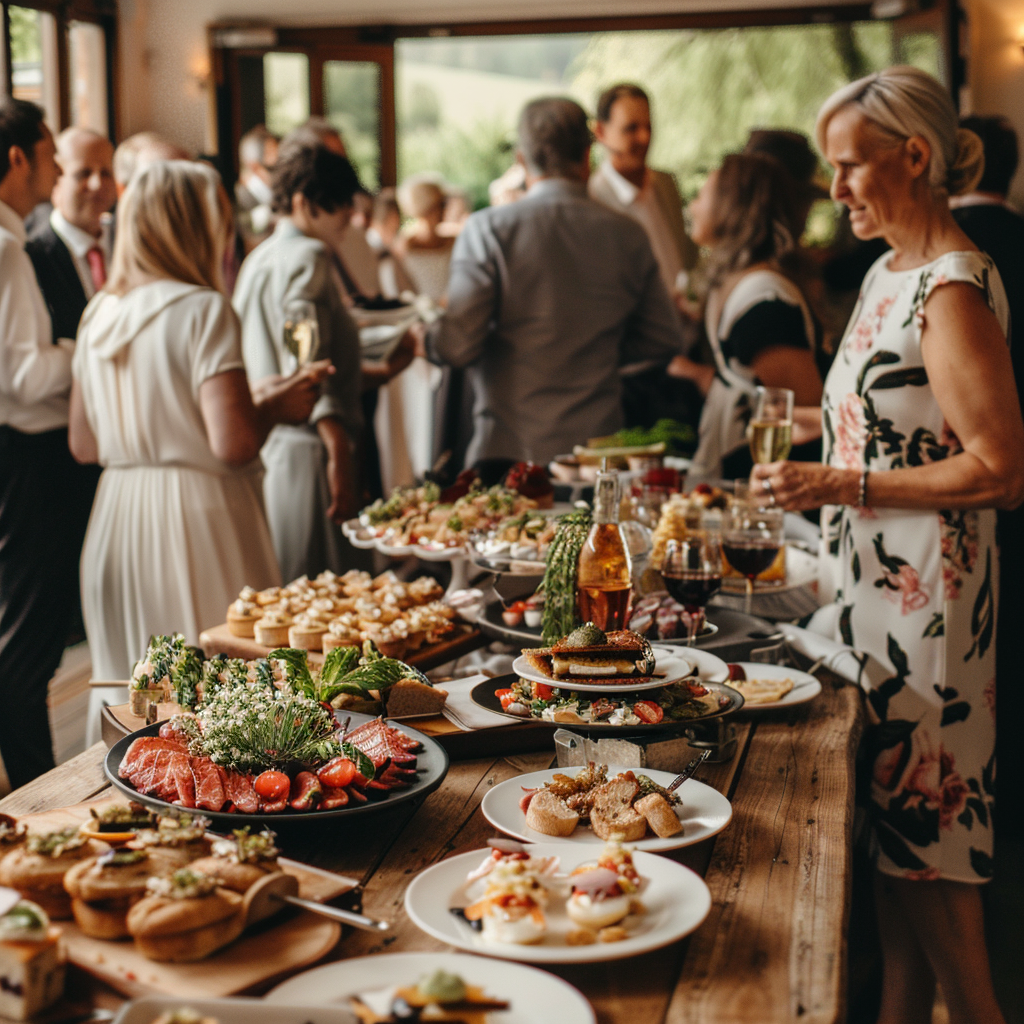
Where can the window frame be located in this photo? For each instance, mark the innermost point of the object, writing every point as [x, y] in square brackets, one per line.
[98, 12]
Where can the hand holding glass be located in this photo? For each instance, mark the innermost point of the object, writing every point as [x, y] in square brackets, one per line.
[692, 571]
[301, 331]
[751, 539]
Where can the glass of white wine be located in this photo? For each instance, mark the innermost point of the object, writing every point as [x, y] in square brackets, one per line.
[301, 331]
[771, 428]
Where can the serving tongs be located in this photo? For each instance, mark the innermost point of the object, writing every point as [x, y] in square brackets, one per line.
[265, 897]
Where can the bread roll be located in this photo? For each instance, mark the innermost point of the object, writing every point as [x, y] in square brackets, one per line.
[612, 816]
[659, 814]
[550, 814]
[232, 875]
[187, 947]
[37, 869]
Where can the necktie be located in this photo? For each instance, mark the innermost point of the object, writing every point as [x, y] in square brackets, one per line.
[97, 267]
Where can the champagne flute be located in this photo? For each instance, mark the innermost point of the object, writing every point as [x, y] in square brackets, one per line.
[771, 428]
[301, 331]
[751, 538]
[692, 571]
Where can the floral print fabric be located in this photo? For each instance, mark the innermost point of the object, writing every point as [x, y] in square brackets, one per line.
[916, 590]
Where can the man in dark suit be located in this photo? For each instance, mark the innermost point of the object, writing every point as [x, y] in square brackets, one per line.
[996, 229]
[71, 251]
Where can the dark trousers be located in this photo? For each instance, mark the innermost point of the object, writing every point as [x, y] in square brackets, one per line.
[45, 499]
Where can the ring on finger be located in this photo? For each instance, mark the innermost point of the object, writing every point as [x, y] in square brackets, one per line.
[768, 487]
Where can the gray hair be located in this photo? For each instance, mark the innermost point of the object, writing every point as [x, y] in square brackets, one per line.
[904, 101]
[553, 136]
[253, 144]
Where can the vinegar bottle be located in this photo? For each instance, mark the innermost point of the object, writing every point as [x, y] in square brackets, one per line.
[602, 579]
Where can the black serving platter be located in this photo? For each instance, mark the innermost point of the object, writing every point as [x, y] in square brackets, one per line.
[431, 764]
[483, 695]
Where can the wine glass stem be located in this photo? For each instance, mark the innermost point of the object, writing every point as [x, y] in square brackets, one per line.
[750, 594]
[691, 627]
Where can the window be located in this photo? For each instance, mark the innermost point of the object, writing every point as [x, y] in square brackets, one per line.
[285, 91]
[352, 105]
[87, 59]
[34, 73]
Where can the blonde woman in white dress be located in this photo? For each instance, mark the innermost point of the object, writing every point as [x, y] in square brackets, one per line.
[160, 400]
[923, 440]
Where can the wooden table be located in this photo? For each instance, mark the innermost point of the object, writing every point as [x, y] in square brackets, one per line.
[772, 949]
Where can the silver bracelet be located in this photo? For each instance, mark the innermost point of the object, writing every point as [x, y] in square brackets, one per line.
[862, 490]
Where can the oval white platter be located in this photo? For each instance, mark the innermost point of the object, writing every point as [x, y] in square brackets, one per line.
[704, 812]
[534, 995]
[672, 664]
[805, 687]
[676, 898]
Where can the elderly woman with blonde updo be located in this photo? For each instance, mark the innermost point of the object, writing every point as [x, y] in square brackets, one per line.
[923, 440]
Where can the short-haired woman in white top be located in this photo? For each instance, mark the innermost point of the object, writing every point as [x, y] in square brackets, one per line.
[758, 322]
[160, 400]
[923, 440]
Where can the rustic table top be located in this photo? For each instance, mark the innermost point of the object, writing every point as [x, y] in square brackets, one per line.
[774, 945]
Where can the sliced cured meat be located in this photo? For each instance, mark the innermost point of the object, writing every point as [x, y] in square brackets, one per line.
[380, 742]
[184, 782]
[240, 792]
[162, 773]
[210, 779]
[145, 744]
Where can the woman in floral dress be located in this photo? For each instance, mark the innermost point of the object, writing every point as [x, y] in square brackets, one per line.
[923, 440]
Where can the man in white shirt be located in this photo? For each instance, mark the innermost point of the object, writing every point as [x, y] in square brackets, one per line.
[38, 477]
[71, 252]
[625, 183]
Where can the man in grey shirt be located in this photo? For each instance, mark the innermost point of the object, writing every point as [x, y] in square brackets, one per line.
[547, 298]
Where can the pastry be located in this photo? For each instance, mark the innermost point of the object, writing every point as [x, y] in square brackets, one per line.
[272, 629]
[174, 844]
[31, 958]
[37, 869]
[103, 888]
[243, 616]
[307, 633]
[241, 861]
[186, 917]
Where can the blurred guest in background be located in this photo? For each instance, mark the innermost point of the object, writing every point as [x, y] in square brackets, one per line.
[71, 253]
[140, 150]
[425, 251]
[39, 540]
[625, 183]
[310, 484]
[509, 187]
[356, 261]
[457, 208]
[758, 322]
[547, 297]
[382, 235]
[161, 401]
[257, 152]
[793, 151]
[993, 227]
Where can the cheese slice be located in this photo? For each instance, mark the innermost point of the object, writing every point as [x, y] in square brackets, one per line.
[563, 666]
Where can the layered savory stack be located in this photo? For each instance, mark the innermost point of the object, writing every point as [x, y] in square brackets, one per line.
[336, 611]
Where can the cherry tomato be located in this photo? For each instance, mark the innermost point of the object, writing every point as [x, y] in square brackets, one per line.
[541, 691]
[272, 786]
[506, 697]
[338, 772]
[736, 673]
[647, 711]
[517, 606]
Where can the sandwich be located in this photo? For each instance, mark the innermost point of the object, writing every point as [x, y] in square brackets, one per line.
[241, 861]
[412, 697]
[186, 917]
[31, 958]
[103, 889]
[37, 869]
[589, 653]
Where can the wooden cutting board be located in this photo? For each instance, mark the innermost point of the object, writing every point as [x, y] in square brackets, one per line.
[220, 640]
[278, 947]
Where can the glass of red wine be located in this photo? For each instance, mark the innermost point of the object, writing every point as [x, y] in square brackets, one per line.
[692, 570]
[751, 538]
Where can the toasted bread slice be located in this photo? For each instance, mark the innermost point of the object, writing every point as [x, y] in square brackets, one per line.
[411, 697]
[658, 811]
[626, 655]
[551, 815]
[613, 816]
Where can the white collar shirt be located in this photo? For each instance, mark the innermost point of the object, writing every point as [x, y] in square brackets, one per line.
[79, 243]
[35, 374]
[643, 206]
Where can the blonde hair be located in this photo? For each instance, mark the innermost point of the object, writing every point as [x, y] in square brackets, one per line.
[420, 195]
[172, 222]
[904, 101]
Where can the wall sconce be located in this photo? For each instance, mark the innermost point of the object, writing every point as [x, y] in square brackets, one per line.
[199, 70]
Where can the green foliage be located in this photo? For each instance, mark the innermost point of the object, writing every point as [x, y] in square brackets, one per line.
[26, 45]
[351, 99]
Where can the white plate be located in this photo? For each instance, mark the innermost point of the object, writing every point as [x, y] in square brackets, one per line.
[234, 1011]
[358, 535]
[670, 667]
[704, 812]
[676, 898]
[535, 995]
[805, 687]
